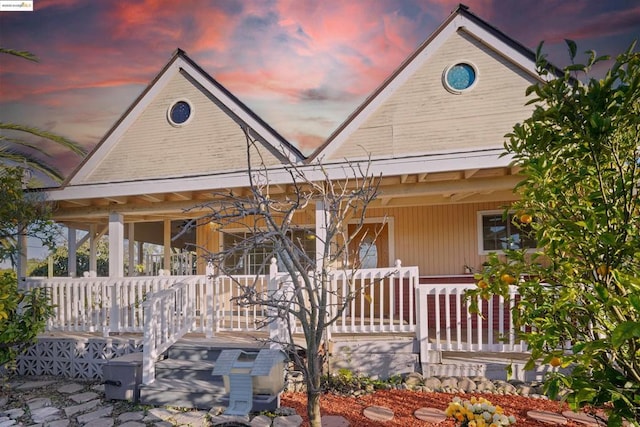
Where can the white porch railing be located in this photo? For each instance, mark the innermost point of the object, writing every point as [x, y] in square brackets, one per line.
[181, 264]
[100, 304]
[168, 316]
[445, 323]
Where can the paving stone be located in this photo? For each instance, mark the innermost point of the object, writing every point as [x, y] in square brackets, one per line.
[102, 412]
[72, 410]
[334, 421]
[14, 413]
[48, 413]
[288, 421]
[38, 402]
[194, 419]
[58, 423]
[378, 413]
[3, 402]
[132, 424]
[260, 421]
[131, 416]
[163, 424]
[581, 418]
[70, 388]
[158, 414]
[101, 422]
[224, 419]
[547, 417]
[7, 422]
[431, 415]
[98, 387]
[83, 397]
[31, 385]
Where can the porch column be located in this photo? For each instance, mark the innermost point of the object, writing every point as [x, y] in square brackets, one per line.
[141, 255]
[116, 245]
[132, 249]
[21, 259]
[321, 234]
[73, 248]
[93, 257]
[167, 246]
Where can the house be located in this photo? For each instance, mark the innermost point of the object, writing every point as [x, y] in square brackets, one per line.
[434, 130]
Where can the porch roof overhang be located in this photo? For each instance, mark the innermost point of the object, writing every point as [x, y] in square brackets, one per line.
[442, 178]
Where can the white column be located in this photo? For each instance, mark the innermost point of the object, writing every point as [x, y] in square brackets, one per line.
[321, 233]
[73, 247]
[93, 257]
[132, 249]
[21, 259]
[167, 246]
[116, 245]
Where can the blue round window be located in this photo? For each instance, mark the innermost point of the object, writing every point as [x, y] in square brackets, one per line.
[180, 112]
[460, 77]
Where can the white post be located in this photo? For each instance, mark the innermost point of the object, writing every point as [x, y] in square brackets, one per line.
[93, 257]
[277, 328]
[321, 234]
[212, 300]
[167, 246]
[132, 249]
[22, 256]
[73, 246]
[116, 245]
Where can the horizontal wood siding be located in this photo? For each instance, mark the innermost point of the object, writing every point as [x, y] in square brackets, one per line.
[153, 148]
[439, 239]
[423, 117]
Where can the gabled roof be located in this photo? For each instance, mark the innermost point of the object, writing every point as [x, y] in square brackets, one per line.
[180, 63]
[460, 20]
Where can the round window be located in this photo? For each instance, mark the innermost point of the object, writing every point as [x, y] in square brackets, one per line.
[179, 113]
[460, 77]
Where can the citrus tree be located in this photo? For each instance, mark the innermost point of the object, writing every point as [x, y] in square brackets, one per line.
[579, 153]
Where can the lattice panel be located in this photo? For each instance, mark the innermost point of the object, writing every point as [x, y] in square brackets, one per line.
[73, 358]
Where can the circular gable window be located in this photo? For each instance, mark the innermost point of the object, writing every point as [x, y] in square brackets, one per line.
[180, 113]
[459, 77]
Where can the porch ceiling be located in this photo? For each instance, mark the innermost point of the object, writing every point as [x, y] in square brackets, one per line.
[462, 186]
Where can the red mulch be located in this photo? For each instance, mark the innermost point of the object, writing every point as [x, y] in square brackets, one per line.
[403, 403]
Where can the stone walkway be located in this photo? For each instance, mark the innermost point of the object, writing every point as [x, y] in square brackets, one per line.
[60, 402]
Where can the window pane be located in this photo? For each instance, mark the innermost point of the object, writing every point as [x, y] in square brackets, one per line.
[498, 234]
[494, 233]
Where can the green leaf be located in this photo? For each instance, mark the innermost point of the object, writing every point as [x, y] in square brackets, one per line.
[573, 48]
[625, 331]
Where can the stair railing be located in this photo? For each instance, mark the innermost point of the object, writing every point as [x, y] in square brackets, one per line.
[168, 316]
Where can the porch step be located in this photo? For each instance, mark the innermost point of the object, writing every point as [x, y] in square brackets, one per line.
[184, 377]
[385, 354]
[189, 393]
[184, 369]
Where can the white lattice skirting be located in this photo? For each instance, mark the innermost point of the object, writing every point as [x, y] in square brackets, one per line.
[74, 358]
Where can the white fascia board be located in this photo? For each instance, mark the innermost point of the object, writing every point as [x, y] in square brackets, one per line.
[445, 162]
[97, 156]
[242, 113]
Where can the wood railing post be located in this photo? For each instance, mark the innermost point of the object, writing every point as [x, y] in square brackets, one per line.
[275, 324]
[210, 289]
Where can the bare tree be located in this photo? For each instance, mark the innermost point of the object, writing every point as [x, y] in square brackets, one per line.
[271, 217]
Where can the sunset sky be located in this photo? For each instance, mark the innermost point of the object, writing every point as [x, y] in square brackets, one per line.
[301, 65]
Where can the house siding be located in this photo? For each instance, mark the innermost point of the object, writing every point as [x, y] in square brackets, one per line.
[152, 148]
[439, 239]
[421, 116]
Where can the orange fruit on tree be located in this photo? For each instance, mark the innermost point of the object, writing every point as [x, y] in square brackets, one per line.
[603, 270]
[526, 218]
[482, 284]
[508, 279]
[555, 361]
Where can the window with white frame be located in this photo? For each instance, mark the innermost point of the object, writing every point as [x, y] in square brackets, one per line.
[497, 232]
[256, 255]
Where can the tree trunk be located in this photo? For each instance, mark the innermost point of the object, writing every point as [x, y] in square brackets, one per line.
[313, 409]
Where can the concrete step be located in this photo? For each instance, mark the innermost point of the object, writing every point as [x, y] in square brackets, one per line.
[188, 351]
[184, 369]
[183, 393]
